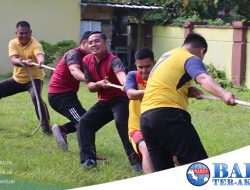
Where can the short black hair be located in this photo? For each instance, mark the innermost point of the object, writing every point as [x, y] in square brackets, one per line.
[196, 40]
[85, 36]
[23, 24]
[103, 36]
[144, 53]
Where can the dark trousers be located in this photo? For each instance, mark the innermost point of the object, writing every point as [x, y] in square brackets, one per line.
[95, 118]
[68, 105]
[168, 132]
[10, 87]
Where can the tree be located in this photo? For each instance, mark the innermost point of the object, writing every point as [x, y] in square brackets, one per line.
[224, 11]
[198, 10]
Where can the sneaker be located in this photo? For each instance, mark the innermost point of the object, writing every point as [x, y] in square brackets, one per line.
[88, 164]
[61, 137]
[137, 168]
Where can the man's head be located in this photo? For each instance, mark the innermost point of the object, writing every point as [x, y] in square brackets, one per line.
[196, 44]
[97, 43]
[144, 62]
[23, 32]
[84, 41]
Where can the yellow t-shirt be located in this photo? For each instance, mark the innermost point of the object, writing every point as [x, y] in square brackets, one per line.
[165, 86]
[135, 106]
[20, 74]
[134, 115]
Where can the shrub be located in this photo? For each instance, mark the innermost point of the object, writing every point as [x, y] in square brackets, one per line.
[63, 46]
[53, 52]
[49, 51]
[220, 77]
[6, 75]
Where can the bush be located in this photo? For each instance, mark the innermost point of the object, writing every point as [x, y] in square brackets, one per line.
[220, 77]
[49, 51]
[6, 75]
[55, 52]
[63, 46]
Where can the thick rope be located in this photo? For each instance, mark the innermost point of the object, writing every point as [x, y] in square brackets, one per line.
[242, 103]
[37, 102]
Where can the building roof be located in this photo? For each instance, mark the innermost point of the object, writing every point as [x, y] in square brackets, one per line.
[119, 5]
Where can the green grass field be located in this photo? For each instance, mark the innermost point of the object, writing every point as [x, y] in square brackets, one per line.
[36, 161]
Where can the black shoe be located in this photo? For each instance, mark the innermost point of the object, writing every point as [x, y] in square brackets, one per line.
[88, 164]
[46, 130]
[49, 132]
[137, 168]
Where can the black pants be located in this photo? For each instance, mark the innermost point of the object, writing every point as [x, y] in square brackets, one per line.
[68, 105]
[10, 87]
[95, 118]
[168, 132]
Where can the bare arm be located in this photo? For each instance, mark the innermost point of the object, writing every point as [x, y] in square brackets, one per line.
[16, 60]
[134, 94]
[95, 86]
[209, 84]
[76, 72]
[40, 59]
[121, 77]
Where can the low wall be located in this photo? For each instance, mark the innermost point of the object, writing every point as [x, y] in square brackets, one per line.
[248, 59]
[220, 46]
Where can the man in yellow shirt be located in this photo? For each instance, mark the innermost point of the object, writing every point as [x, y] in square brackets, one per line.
[136, 82]
[165, 123]
[23, 50]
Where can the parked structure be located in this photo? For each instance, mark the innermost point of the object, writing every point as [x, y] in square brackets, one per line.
[124, 38]
[57, 20]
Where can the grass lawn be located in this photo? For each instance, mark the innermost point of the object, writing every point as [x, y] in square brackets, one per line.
[36, 159]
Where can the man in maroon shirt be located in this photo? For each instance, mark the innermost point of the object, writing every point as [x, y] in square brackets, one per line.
[63, 87]
[100, 68]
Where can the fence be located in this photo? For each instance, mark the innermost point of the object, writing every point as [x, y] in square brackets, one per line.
[228, 46]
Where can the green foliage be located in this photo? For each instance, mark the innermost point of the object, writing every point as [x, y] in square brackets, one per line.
[216, 22]
[53, 52]
[49, 51]
[149, 2]
[217, 12]
[6, 75]
[215, 73]
[180, 20]
[64, 46]
[173, 9]
[220, 77]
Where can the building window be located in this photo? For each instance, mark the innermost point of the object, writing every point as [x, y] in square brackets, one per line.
[90, 26]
